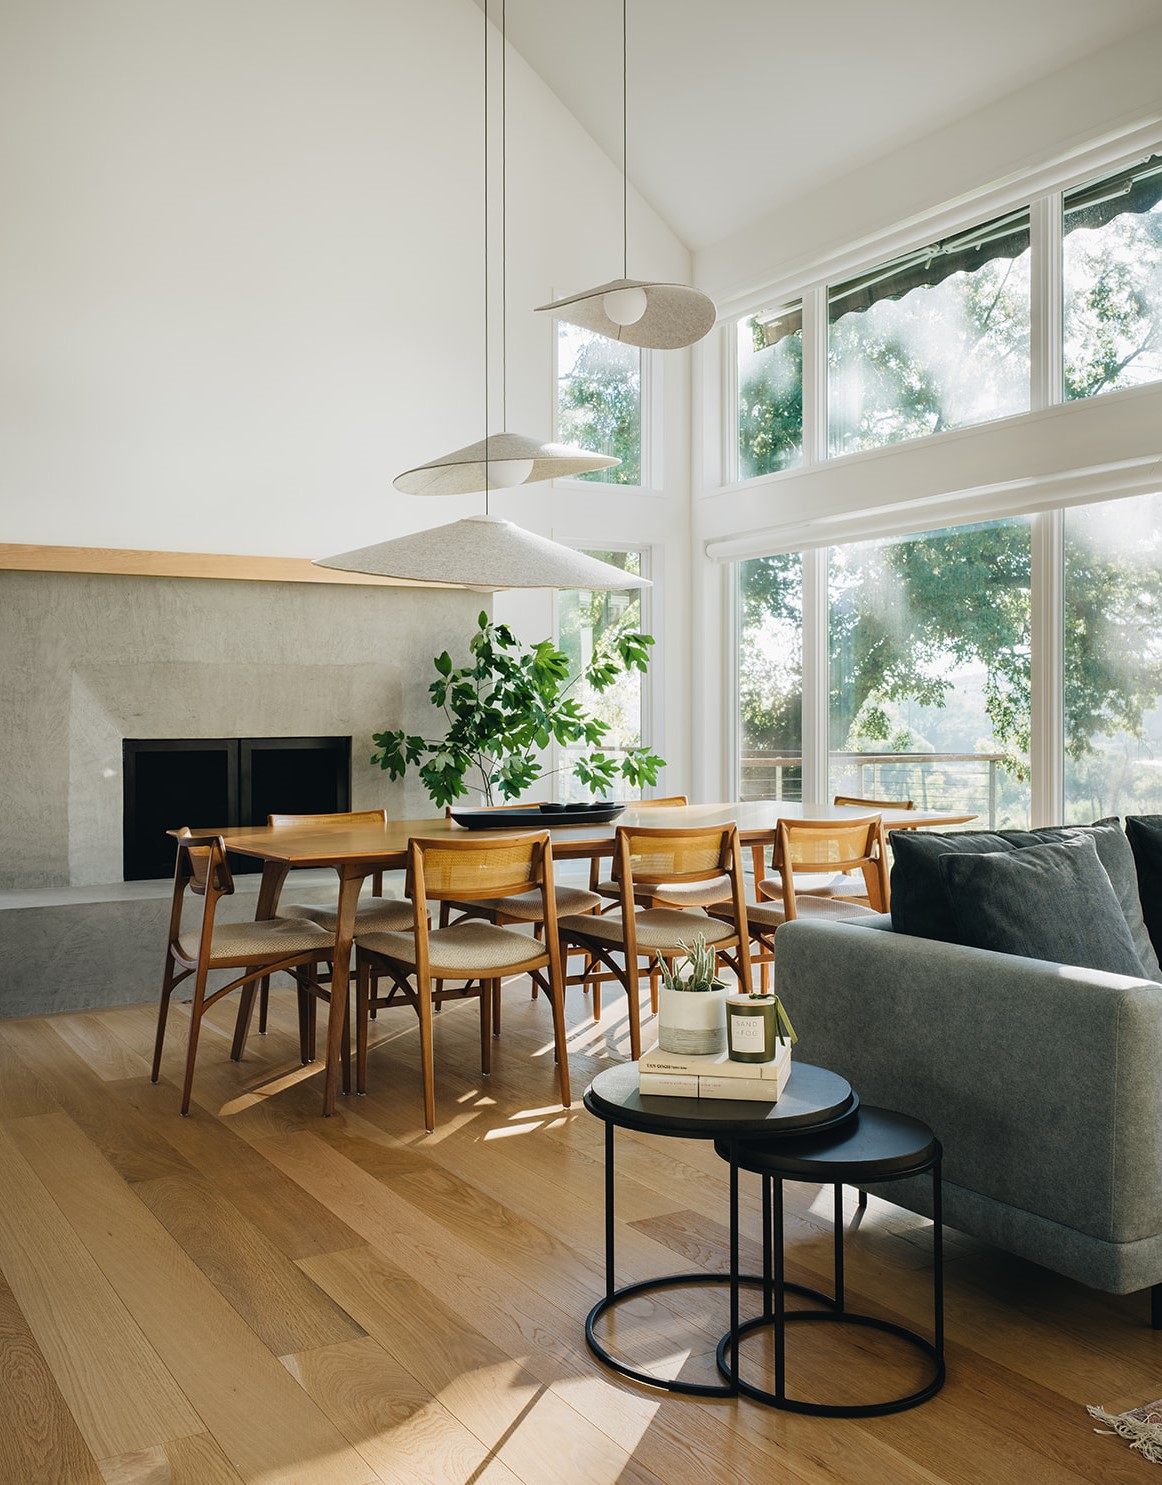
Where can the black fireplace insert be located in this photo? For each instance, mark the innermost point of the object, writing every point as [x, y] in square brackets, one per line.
[200, 781]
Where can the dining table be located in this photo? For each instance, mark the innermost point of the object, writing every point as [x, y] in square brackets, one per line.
[356, 850]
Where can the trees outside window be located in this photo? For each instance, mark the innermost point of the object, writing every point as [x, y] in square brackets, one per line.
[770, 392]
[599, 401]
[770, 677]
[1113, 659]
[587, 621]
[1112, 269]
[932, 342]
[930, 649]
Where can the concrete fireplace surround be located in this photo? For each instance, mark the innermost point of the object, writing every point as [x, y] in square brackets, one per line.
[87, 659]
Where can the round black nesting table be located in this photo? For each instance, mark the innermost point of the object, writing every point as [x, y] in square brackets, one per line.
[814, 1100]
[873, 1146]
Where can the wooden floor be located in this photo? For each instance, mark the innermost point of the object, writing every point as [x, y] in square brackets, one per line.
[256, 1294]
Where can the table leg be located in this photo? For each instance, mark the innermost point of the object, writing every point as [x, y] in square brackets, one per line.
[274, 874]
[609, 1240]
[350, 883]
[734, 1275]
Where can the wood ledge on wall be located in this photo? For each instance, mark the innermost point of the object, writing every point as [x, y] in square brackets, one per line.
[125, 562]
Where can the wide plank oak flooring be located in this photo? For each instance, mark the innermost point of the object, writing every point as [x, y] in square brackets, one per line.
[258, 1295]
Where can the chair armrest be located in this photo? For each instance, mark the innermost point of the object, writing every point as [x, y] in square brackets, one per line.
[1042, 1080]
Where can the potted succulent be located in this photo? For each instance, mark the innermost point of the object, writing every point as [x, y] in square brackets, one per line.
[505, 707]
[755, 1024]
[692, 1002]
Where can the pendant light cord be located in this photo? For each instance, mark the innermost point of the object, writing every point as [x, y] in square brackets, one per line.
[624, 148]
[486, 273]
[503, 216]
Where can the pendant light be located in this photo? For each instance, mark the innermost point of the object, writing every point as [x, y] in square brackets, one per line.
[655, 316]
[500, 460]
[483, 552]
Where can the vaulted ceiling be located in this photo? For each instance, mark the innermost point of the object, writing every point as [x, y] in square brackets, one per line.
[738, 105]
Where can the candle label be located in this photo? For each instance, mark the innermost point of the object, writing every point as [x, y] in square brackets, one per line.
[747, 1034]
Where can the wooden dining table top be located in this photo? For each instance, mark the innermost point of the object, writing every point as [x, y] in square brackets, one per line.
[384, 846]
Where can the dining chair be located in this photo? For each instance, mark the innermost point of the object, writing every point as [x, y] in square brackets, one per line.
[802, 851]
[671, 894]
[480, 954]
[645, 859]
[825, 883]
[259, 949]
[372, 913]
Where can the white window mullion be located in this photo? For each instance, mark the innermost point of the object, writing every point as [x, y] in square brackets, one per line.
[815, 376]
[1045, 333]
[816, 676]
[1047, 702]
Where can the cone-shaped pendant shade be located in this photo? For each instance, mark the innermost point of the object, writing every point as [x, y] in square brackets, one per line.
[675, 314]
[485, 553]
[512, 460]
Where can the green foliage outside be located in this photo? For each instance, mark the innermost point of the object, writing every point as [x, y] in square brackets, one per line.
[505, 707]
[599, 403]
[905, 614]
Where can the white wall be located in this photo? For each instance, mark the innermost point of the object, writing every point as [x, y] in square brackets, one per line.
[1070, 124]
[243, 281]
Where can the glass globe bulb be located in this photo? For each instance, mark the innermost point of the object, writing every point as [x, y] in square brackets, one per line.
[504, 473]
[625, 306]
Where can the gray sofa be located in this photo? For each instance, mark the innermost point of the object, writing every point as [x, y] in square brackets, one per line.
[1042, 1081]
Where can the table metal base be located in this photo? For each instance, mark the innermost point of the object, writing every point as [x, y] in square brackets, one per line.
[906, 1148]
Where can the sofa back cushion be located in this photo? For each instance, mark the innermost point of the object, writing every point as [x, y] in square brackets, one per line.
[920, 901]
[1145, 836]
[1051, 902]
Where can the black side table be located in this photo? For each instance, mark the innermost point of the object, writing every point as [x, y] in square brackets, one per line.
[814, 1099]
[874, 1146]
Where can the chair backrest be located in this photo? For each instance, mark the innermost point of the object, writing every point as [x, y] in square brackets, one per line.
[479, 869]
[876, 804]
[645, 854]
[654, 804]
[343, 817]
[832, 846]
[200, 865]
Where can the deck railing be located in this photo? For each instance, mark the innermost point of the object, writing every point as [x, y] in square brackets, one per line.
[964, 782]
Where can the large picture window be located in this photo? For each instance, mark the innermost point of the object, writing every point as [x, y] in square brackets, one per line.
[936, 340]
[586, 620]
[1113, 659]
[770, 392]
[930, 671]
[1113, 282]
[770, 677]
[599, 401]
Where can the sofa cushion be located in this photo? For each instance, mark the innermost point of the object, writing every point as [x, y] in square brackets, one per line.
[1145, 837]
[1052, 902]
[920, 904]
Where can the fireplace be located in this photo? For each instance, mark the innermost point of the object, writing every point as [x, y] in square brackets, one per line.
[223, 781]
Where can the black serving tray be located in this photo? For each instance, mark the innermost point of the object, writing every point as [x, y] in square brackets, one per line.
[538, 817]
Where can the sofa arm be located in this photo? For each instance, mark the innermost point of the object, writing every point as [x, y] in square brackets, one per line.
[1041, 1080]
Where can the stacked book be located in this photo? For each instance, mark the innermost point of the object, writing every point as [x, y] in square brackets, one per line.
[671, 1074]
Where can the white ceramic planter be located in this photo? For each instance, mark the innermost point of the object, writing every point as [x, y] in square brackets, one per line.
[692, 1022]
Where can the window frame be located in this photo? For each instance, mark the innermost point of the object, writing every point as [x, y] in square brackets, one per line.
[1041, 194]
[650, 393]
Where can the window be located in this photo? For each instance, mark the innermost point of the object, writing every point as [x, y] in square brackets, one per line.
[585, 620]
[1113, 659]
[770, 392]
[770, 677]
[936, 340]
[599, 401]
[1113, 282]
[930, 646]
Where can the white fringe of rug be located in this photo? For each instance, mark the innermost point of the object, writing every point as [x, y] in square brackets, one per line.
[1142, 1427]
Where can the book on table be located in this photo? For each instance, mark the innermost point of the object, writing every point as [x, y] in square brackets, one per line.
[675, 1075]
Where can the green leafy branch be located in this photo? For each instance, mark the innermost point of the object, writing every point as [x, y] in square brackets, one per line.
[505, 707]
